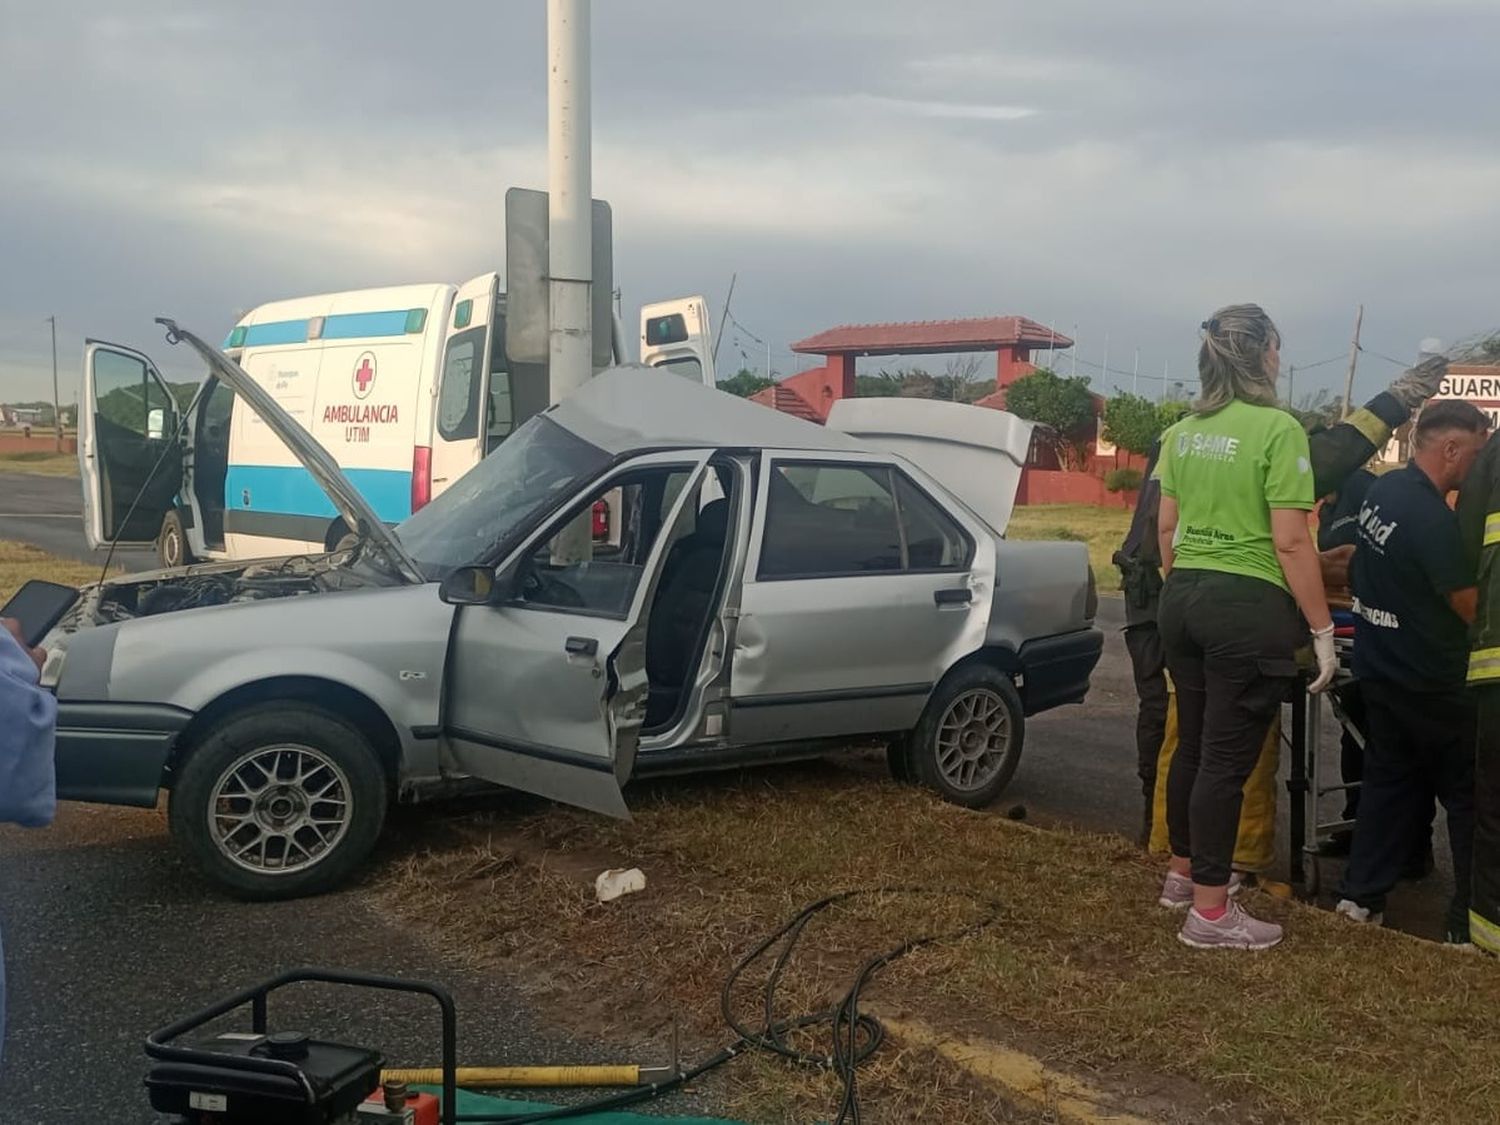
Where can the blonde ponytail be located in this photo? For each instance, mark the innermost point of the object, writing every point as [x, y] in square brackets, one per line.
[1232, 359]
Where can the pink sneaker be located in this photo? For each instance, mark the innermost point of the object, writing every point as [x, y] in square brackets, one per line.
[1177, 890]
[1235, 930]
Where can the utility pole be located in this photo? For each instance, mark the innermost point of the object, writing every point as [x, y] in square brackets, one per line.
[56, 404]
[1359, 318]
[570, 195]
[724, 317]
[1073, 370]
[1135, 373]
[1291, 385]
[1105, 368]
[1161, 394]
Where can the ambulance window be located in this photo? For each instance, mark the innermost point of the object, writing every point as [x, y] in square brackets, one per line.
[501, 410]
[463, 382]
[501, 419]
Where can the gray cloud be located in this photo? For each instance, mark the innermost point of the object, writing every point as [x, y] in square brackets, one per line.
[1122, 167]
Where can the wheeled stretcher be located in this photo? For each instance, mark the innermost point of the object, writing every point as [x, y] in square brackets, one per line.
[1314, 778]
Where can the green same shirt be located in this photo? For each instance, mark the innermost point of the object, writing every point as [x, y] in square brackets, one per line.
[1227, 470]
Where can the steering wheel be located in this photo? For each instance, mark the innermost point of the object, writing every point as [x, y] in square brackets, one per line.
[539, 587]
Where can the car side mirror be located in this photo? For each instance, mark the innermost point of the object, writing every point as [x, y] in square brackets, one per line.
[469, 585]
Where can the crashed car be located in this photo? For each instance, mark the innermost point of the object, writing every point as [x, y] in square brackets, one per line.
[762, 588]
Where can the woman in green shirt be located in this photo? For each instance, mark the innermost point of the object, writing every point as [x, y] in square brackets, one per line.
[1240, 563]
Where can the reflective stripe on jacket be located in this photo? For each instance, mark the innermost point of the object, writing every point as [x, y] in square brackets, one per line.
[1479, 524]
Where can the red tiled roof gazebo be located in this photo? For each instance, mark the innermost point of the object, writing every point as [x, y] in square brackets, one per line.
[1012, 338]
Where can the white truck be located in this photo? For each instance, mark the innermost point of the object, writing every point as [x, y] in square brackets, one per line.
[408, 387]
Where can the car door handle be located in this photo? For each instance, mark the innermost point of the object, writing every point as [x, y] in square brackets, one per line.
[953, 597]
[581, 646]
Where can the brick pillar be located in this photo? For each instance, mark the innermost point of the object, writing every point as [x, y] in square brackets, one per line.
[1011, 363]
[841, 375]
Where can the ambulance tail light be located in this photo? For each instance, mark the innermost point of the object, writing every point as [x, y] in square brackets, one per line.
[421, 477]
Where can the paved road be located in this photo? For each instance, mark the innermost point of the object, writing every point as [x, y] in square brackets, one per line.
[109, 934]
[47, 512]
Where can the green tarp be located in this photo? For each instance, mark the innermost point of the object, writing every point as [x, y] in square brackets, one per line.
[478, 1103]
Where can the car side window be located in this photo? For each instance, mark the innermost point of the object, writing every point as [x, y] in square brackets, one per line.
[825, 519]
[933, 540]
[593, 561]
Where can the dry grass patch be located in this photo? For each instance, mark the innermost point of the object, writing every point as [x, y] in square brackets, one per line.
[20, 562]
[1100, 529]
[1339, 1024]
[40, 463]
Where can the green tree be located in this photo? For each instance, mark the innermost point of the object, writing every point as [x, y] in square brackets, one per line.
[883, 384]
[1063, 406]
[745, 383]
[1132, 422]
[1174, 410]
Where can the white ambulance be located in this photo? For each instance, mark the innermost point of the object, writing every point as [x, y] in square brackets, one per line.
[407, 387]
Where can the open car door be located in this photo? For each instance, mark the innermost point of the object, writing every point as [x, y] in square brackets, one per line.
[130, 453]
[677, 337]
[545, 688]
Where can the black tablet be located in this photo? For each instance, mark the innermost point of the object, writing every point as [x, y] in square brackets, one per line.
[38, 606]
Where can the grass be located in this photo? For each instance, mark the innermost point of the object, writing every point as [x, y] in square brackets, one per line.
[1100, 529]
[40, 463]
[20, 562]
[1338, 1024]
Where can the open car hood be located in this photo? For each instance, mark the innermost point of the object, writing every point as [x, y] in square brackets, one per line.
[974, 452]
[356, 511]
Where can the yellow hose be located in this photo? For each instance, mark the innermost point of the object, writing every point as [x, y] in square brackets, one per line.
[493, 1077]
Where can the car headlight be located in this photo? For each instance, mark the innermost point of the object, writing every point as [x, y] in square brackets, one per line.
[52, 669]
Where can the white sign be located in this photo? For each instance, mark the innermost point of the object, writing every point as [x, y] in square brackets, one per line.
[1479, 389]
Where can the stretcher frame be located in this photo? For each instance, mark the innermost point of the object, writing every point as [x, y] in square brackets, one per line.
[1307, 782]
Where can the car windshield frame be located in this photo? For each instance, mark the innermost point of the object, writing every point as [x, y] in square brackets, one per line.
[479, 518]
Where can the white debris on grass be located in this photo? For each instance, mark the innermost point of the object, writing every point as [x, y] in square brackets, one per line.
[618, 881]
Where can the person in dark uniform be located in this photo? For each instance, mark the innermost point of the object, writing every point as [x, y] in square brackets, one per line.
[1414, 599]
[1139, 560]
[1338, 530]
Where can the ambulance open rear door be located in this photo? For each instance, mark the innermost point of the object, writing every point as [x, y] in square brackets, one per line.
[677, 337]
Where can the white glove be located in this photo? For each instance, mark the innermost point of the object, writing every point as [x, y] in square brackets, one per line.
[1326, 656]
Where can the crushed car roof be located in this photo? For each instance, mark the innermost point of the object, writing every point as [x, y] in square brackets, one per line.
[633, 407]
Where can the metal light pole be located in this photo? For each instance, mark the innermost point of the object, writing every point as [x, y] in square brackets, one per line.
[57, 424]
[570, 192]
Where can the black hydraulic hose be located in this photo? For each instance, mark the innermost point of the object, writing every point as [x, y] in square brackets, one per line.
[855, 1035]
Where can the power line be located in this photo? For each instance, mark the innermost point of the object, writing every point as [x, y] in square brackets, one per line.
[1322, 362]
[1401, 363]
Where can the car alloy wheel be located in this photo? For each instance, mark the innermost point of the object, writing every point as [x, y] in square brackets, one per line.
[279, 809]
[973, 739]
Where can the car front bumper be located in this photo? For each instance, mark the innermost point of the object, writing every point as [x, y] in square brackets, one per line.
[115, 753]
[1056, 669]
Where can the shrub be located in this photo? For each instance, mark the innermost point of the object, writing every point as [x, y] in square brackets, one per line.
[1123, 480]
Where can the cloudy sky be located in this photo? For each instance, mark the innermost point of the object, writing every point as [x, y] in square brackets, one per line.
[1121, 167]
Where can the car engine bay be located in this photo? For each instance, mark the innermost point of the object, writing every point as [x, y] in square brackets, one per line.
[158, 592]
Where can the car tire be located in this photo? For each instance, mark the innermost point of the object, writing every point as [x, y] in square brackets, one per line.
[898, 761]
[303, 831]
[171, 541]
[967, 744]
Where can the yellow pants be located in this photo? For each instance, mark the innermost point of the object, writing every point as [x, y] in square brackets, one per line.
[1255, 848]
